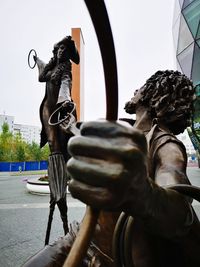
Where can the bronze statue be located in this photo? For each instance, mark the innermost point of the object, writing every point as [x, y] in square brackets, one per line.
[58, 78]
[130, 173]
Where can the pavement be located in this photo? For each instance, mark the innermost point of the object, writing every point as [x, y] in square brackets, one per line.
[23, 217]
[194, 177]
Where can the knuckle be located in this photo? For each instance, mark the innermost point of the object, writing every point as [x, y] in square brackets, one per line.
[73, 143]
[70, 165]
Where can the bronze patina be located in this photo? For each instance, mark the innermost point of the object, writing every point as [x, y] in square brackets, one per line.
[58, 78]
[124, 169]
[135, 175]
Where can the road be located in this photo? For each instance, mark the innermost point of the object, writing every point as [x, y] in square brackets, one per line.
[23, 218]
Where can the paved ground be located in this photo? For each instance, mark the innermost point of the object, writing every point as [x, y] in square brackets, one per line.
[194, 176]
[23, 218]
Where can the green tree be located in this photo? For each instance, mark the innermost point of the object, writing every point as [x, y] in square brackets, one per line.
[14, 148]
[20, 153]
[45, 152]
[19, 148]
[35, 151]
[5, 143]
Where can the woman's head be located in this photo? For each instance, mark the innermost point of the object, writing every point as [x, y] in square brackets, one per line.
[62, 53]
[168, 96]
[60, 49]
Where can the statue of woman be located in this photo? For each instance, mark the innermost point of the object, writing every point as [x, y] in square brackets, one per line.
[58, 78]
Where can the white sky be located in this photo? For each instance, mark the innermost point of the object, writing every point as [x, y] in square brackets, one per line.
[143, 40]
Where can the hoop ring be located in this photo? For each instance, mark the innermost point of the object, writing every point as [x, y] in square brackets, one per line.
[29, 54]
[55, 115]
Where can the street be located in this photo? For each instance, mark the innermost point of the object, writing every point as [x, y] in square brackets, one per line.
[23, 218]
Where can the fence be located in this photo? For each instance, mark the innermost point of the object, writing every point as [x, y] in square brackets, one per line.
[23, 166]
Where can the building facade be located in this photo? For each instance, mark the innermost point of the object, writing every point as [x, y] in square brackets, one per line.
[28, 133]
[185, 139]
[186, 35]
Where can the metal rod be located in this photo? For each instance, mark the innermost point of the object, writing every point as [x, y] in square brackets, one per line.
[83, 238]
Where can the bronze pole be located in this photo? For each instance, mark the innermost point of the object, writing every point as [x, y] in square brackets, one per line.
[105, 39]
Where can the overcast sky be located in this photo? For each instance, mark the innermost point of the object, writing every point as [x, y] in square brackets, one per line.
[143, 40]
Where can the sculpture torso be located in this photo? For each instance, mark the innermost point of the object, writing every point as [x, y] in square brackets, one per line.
[148, 250]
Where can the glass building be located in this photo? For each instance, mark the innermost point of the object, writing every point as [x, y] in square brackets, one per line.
[186, 35]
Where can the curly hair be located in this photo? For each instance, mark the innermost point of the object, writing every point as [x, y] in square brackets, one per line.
[169, 97]
[61, 69]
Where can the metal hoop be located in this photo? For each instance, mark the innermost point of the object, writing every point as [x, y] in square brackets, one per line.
[56, 112]
[123, 228]
[29, 54]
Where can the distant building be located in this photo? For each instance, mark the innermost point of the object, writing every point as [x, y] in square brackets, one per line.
[186, 33]
[28, 132]
[185, 139]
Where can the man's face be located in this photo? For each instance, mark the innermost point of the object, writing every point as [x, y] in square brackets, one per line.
[61, 52]
[137, 95]
[130, 106]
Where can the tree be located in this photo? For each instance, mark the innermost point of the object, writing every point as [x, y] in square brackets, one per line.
[35, 151]
[45, 152]
[14, 148]
[20, 153]
[5, 143]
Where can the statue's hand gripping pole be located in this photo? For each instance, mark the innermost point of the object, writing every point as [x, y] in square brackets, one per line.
[105, 38]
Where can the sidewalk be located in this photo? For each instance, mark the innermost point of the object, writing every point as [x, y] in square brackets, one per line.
[24, 220]
[23, 173]
[194, 175]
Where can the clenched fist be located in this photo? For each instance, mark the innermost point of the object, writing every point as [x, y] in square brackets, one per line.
[108, 167]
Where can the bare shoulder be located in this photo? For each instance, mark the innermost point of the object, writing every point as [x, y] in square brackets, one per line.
[171, 152]
[171, 162]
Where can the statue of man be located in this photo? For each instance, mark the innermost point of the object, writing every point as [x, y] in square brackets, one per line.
[119, 168]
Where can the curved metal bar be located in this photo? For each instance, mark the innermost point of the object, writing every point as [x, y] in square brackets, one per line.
[187, 190]
[56, 112]
[105, 38]
[29, 54]
[117, 245]
[123, 230]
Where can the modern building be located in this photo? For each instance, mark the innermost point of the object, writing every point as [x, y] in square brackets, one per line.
[186, 34]
[28, 132]
[185, 139]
